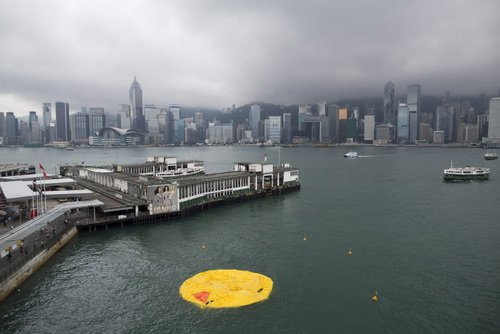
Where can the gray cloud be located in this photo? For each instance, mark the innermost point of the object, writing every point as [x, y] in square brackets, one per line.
[216, 53]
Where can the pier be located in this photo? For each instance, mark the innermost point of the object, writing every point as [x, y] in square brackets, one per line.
[104, 197]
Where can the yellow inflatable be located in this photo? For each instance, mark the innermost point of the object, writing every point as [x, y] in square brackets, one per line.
[226, 288]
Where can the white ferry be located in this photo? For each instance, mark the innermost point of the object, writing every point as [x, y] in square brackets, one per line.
[490, 156]
[351, 154]
[466, 173]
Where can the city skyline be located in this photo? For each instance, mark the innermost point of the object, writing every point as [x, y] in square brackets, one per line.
[232, 52]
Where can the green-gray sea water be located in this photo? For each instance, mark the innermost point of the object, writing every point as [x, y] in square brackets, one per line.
[430, 249]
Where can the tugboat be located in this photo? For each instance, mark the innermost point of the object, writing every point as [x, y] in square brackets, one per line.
[466, 173]
[490, 156]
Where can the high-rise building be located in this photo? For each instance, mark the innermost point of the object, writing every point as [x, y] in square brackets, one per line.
[445, 120]
[403, 121]
[80, 128]
[333, 120]
[2, 127]
[123, 118]
[136, 107]
[47, 119]
[151, 117]
[321, 108]
[272, 129]
[97, 120]
[369, 128]
[254, 120]
[10, 129]
[494, 119]
[389, 104]
[287, 127]
[414, 93]
[63, 132]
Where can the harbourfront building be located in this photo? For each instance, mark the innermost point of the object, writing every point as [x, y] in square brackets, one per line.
[111, 136]
[158, 195]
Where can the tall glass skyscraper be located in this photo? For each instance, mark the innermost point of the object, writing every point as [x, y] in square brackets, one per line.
[389, 104]
[254, 119]
[63, 132]
[414, 93]
[494, 118]
[47, 119]
[136, 107]
[403, 123]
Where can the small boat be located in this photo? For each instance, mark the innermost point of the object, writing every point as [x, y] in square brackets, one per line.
[466, 173]
[69, 148]
[490, 156]
[351, 154]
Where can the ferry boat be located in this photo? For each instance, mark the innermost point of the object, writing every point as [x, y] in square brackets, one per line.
[466, 173]
[490, 156]
[351, 154]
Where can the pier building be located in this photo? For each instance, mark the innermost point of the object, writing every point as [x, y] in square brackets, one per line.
[146, 189]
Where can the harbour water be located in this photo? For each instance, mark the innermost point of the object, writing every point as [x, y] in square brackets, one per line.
[429, 248]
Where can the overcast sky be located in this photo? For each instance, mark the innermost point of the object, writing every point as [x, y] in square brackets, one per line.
[219, 53]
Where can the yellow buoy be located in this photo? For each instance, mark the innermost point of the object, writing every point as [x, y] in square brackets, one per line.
[226, 288]
[305, 238]
[349, 252]
[203, 246]
[375, 297]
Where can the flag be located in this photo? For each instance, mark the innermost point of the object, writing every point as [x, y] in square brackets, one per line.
[41, 167]
[45, 176]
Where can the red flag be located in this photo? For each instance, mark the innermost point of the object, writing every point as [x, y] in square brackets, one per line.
[41, 167]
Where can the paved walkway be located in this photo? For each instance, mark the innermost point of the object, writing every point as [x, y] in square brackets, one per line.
[8, 236]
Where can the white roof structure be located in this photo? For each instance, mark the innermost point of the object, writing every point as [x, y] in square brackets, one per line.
[24, 177]
[17, 191]
[52, 182]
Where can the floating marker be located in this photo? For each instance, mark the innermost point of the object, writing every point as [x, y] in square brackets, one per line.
[349, 252]
[305, 238]
[375, 297]
[203, 246]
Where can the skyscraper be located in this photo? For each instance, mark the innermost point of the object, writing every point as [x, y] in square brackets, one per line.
[47, 119]
[403, 123]
[80, 128]
[254, 119]
[287, 127]
[414, 93]
[273, 129]
[494, 118]
[97, 120]
[63, 132]
[389, 104]
[135, 95]
[10, 128]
